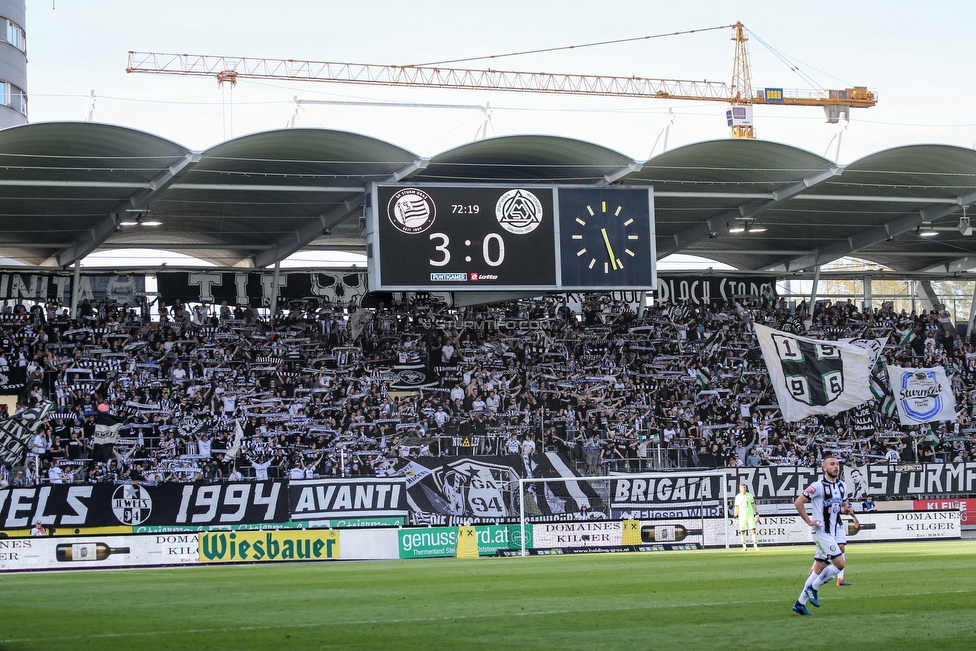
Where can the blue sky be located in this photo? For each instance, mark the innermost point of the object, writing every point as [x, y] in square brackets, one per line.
[917, 56]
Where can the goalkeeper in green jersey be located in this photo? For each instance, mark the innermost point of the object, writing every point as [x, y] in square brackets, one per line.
[745, 511]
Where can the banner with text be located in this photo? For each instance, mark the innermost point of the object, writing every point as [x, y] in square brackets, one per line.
[106, 505]
[257, 288]
[58, 287]
[703, 290]
[318, 499]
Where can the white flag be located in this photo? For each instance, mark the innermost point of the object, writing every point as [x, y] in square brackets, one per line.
[813, 376]
[922, 395]
[874, 345]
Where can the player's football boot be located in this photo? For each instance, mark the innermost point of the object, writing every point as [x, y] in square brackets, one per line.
[812, 597]
[800, 609]
[843, 582]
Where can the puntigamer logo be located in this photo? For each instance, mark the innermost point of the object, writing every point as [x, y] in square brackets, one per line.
[445, 277]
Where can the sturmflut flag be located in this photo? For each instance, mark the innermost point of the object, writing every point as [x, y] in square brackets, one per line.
[922, 395]
[106, 433]
[17, 431]
[812, 376]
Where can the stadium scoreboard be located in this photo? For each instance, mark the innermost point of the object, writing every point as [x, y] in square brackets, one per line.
[509, 237]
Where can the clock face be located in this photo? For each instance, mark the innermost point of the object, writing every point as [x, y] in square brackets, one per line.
[606, 238]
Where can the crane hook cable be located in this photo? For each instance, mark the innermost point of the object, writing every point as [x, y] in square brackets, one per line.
[566, 47]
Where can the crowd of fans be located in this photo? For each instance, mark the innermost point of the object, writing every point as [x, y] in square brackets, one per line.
[210, 392]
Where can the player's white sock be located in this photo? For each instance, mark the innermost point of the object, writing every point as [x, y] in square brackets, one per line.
[755, 542]
[828, 573]
[742, 535]
[803, 593]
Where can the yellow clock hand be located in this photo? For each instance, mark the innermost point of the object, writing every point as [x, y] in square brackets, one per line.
[606, 239]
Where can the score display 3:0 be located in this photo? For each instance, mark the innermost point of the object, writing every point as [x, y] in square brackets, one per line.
[455, 237]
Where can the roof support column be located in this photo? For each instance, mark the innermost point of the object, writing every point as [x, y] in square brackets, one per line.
[972, 315]
[274, 292]
[813, 292]
[311, 230]
[104, 229]
[928, 294]
[719, 223]
[75, 287]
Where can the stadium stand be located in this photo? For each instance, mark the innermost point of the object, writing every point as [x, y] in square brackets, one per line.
[207, 391]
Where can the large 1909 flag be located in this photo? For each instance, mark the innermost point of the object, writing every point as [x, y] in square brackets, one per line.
[17, 431]
[922, 395]
[812, 376]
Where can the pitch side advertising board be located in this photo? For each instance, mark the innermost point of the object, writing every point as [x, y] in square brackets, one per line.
[435, 542]
[89, 552]
[966, 507]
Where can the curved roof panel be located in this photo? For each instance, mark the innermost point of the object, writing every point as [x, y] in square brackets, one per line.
[525, 158]
[59, 180]
[69, 188]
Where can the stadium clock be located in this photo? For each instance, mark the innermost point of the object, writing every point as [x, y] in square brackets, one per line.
[606, 238]
[452, 237]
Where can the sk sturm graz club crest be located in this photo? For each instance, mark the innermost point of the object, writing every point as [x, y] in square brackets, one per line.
[411, 211]
[814, 372]
[518, 211]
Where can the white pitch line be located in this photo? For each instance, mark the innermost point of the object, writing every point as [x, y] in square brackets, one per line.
[537, 613]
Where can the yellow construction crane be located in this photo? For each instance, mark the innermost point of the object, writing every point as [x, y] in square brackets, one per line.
[739, 93]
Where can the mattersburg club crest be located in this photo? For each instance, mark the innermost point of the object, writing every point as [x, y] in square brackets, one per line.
[518, 211]
[812, 376]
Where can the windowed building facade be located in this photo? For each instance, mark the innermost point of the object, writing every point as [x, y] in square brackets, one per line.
[13, 63]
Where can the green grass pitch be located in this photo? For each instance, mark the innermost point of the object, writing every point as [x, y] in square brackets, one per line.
[915, 596]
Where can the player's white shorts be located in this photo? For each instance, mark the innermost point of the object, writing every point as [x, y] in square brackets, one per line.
[827, 546]
[747, 524]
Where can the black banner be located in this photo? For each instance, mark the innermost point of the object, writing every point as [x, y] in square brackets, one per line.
[911, 480]
[257, 288]
[449, 491]
[121, 288]
[666, 495]
[12, 379]
[692, 493]
[484, 490]
[702, 290]
[862, 419]
[108, 505]
[319, 499]
[773, 482]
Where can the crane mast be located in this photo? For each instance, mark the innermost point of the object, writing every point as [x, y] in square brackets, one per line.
[741, 85]
[739, 94]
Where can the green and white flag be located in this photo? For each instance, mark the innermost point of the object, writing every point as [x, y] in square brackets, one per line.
[813, 376]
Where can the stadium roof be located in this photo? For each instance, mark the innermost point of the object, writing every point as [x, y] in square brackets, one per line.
[252, 201]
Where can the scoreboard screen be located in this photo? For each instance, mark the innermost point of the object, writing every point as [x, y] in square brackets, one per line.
[427, 237]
